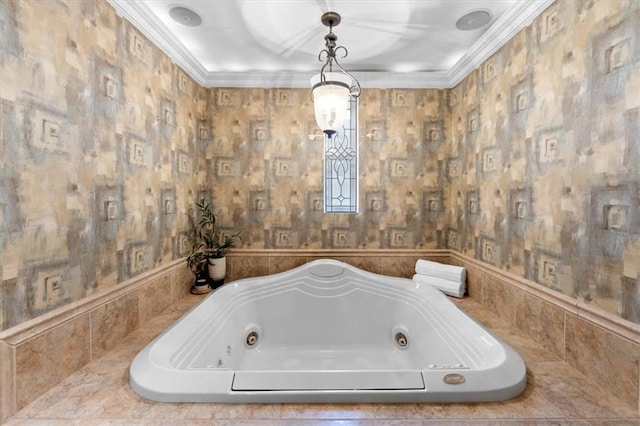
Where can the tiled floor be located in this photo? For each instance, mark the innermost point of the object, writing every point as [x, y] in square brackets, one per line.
[99, 394]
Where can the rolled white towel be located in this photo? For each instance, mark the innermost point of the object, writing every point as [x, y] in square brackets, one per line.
[447, 287]
[440, 270]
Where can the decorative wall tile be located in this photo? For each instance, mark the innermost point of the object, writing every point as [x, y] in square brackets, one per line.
[452, 239]
[139, 47]
[184, 162]
[374, 131]
[432, 205]
[473, 121]
[284, 168]
[108, 88]
[284, 238]
[204, 130]
[473, 205]
[549, 24]
[50, 131]
[375, 202]
[400, 238]
[399, 168]
[342, 238]
[139, 258]
[227, 97]
[139, 152]
[453, 168]
[547, 269]
[521, 100]
[259, 131]
[109, 212]
[489, 251]
[168, 209]
[226, 167]
[549, 144]
[489, 71]
[282, 98]
[521, 210]
[401, 98]
[491, 160]
[433, 134]
[614, 51]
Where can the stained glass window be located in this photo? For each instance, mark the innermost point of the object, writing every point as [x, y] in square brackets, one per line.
[341, 166]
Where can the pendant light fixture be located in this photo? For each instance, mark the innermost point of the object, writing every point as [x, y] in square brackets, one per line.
[332, 89]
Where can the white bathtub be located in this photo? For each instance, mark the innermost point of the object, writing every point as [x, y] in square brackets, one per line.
[327, 332]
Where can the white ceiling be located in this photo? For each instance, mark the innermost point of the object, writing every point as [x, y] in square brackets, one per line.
[275, 43]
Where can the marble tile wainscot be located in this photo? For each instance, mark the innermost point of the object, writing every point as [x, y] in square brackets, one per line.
[590, 340]
[596, 343]
[38, 354]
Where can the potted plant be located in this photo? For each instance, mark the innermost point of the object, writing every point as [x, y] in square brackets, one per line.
[197, 261]
[209, 246]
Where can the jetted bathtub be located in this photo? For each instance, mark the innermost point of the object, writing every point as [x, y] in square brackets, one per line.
[327, 332]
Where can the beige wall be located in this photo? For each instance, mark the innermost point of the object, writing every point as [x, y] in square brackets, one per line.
[266, 167]
[543, 167]
[530, 164]
[97, 157]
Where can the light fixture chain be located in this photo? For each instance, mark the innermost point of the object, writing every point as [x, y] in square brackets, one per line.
[330, 52]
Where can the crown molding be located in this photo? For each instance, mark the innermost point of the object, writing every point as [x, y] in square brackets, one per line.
[508, 25]
[379, 80]
[139, 16]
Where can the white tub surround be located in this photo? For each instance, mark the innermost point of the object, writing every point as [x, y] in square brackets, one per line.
[327, 331]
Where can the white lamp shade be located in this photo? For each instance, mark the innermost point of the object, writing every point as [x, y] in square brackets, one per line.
[330, 101]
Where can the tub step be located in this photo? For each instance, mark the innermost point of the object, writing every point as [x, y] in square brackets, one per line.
[326, 380]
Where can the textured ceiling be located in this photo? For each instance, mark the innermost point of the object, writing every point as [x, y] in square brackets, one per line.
[396, 43]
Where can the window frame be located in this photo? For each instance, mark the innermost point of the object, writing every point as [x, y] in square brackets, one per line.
[349, 131]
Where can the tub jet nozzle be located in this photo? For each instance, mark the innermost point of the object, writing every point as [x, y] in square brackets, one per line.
[402, 340]
[252, 339]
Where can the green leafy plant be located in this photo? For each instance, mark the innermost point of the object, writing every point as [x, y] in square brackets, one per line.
[206, 240]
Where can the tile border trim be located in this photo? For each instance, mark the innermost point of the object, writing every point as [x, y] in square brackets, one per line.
[593, 314]
[43, 323]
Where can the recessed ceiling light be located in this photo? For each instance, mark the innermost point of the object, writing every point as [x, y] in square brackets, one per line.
[185, 16]
[474, 20]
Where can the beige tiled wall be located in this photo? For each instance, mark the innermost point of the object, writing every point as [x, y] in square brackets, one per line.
[596, 343]
[609, 358]
[251, 263]
[40, 353]
[541, 321]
